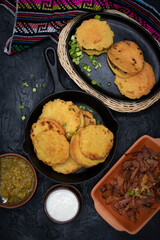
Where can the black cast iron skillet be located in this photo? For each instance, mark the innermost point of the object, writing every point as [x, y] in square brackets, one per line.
[124, 29]
[81, 99]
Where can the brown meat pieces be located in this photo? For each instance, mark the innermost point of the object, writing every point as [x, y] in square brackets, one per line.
[137, 186]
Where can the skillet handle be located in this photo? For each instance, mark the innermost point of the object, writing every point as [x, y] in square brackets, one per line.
[51, 59]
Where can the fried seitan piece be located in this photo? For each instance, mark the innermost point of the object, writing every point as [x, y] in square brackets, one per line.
[125, 58]
[94, 36]
[138, 85]
[43, 125]
[51, 147]
[69, 166]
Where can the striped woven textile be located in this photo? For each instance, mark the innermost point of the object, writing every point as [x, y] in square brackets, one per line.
[37, 19]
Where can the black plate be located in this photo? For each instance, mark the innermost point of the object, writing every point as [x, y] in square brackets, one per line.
[124, 29]
[81, 99]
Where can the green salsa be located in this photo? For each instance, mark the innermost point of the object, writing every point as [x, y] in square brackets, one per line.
[17, 179]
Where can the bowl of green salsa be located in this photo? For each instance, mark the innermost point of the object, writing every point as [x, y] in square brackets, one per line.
[18, 180]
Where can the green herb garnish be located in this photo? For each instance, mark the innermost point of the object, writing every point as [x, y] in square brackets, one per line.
[90, 110]
[97, 17]
[74, 51]
[23, 117]
[82, 107]
[131, 192]
[34, 90]
[20, 106]
[95, 115]
[94, 82]
[99, 84]
[25, 84]
[98, 122]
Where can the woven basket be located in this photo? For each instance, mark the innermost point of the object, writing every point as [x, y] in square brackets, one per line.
[117, 105]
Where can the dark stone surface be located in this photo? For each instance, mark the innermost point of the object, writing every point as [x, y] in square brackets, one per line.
[29, 222]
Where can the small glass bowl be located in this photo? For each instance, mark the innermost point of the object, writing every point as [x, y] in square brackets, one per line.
[72, 190]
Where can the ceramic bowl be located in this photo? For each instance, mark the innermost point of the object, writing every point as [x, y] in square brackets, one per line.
[5, 205]
[117, 221]
[70, 189]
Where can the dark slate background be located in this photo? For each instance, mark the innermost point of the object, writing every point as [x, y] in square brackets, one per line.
[29, 222]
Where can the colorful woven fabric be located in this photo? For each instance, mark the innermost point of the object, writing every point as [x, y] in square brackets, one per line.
[37, 19]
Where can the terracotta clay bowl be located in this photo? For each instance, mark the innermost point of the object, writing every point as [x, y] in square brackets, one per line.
[119, 222]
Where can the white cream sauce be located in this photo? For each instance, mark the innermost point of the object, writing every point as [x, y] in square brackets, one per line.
[62, 205]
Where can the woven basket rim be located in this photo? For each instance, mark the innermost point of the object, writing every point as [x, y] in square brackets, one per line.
[114, 104]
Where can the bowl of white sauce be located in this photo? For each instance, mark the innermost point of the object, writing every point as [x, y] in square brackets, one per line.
[62, 203]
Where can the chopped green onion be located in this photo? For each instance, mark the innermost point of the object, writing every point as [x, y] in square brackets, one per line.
[71, 133]
[98, 122]
[34, 90]
[82, 56]
[131, 192]
[95, 115]
[32, 75]
[97, 66]
[77, 49]
[109, 84]
[69, 43]
[73, 38]
[25, 84]
[23, 117]
[74, 60]
[79, 53]
[94, 62]
[88, 74]
[97, 17]
[64, 124]
[94, 82]
[90, 110]
[43, 85]
[82, 107]
[20, 106]
[99, 84]
[36, 85]
[90, 57]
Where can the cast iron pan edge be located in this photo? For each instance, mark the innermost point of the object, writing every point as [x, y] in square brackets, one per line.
[79, 98]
